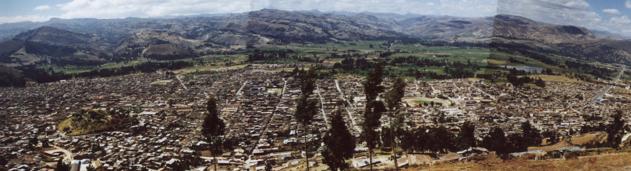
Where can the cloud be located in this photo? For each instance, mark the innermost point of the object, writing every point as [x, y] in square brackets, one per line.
[41, 8]
[567, 12]
[462, 8]
[628, 4]
[148, 8]
[22, 18]
[156, 8]
[621, 20]
[611, 11]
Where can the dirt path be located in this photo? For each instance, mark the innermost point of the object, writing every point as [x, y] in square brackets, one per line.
[348, 111]
[68, 156]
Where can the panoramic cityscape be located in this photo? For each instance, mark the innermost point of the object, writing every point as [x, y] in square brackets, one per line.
[288, 85]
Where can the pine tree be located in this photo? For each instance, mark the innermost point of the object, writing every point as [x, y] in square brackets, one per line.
[615, 130]
[393, 100]
[496, 141]
[90, 168]
[306, 108]
[374, 109]
[213, 128]
[61, 166]
[395, 94]
[372, 86]
[443, 139]
[408, 140]
[466, 136]
[339, 143]
[372, 117]
[530, 134]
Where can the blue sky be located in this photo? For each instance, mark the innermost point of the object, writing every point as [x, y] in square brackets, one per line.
[608, 15]
[605, 15]
[619, 5]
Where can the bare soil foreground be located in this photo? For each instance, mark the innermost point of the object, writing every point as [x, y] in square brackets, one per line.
[611, 161]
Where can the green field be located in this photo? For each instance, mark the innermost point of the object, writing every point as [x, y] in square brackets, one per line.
[482, 60]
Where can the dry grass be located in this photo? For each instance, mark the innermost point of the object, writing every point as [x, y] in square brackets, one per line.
[496, 62]
[208, 68]
[591, 138]
[557, 78]
[615, 161]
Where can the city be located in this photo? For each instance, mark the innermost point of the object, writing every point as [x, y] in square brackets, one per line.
[357, 86]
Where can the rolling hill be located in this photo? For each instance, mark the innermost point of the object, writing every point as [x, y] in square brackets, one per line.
[96, 41]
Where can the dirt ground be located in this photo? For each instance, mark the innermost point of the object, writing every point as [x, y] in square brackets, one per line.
[611, 162]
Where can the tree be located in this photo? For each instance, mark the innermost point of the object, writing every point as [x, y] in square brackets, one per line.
[339, 143]
[551, 136]
[372, 86]
[466, 136]
[213, 128]
[61, 166]
[532, 136]
[408, 140]
[442, 139]
[374, 109]
[515, 143]
[393, 100]
[615, 130]
[423, 139]
[307, 82]
[45, 143]
[181, 165]
[90, 168]
[306, 108]
[539, 82]
[395, 94]
[372, 117]
[496, 141]
[269, 165]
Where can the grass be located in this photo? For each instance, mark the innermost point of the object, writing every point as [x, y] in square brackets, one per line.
[480, 56]
[72, 128]
[208, 68]
[557, 78]
[92, 121]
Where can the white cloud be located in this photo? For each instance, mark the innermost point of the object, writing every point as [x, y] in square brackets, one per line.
[567, 12]
[154, 8]
[620, 20]
[628, 4]
[14, 19]
[463, 8]
[150, 8]
[611, 11]
[576, 4]
[41, 8]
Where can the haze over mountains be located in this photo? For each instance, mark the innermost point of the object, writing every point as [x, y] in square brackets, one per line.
[97, 41]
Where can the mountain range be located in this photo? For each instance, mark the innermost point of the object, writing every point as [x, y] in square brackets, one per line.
[97, 41]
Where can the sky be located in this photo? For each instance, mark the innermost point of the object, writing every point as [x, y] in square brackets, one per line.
[607, 15]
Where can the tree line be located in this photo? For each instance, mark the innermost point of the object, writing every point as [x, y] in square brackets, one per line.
[17, 77]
